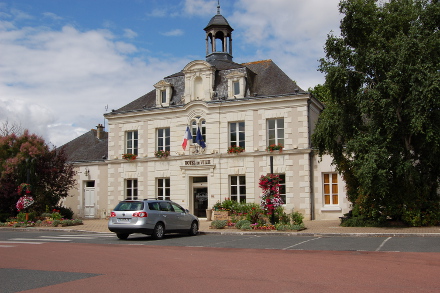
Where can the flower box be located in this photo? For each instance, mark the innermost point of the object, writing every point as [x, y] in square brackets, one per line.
[275, 147]
[129, 157]
[235, 149]
[161, 154]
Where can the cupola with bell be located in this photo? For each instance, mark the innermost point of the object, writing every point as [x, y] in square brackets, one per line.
[218, 38]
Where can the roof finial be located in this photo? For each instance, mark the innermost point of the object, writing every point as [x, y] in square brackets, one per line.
[218, 7]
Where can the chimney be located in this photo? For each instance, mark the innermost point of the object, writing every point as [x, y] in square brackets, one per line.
[99, 131]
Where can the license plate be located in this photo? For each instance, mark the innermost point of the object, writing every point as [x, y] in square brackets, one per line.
[123, 220]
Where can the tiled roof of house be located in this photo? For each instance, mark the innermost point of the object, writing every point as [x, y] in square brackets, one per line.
[87, 147]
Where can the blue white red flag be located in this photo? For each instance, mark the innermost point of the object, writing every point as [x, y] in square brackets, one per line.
[187, 136]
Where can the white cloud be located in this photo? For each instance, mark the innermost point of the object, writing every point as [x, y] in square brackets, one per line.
[57, 82]
[173, 33]
[291, 32]
[200, 7]
[128, 33]
[52, 16]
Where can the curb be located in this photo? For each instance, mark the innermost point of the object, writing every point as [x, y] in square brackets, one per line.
[254, 233]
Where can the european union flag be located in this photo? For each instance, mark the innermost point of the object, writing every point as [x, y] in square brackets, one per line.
[199, 139]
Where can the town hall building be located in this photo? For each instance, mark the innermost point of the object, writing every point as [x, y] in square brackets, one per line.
[208, 133]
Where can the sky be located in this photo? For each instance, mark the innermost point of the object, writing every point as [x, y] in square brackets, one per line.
[64, 63]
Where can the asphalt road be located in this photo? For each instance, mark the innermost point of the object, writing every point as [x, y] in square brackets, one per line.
[56, 261]
[356, 243]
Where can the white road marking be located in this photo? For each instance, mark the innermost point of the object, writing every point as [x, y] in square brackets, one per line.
[383, 243]
[300, 243]
[21, 242]
[25, 239]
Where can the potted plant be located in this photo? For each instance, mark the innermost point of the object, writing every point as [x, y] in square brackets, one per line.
[129, 157]
[235, 149]
[161, 154]
[275, 147]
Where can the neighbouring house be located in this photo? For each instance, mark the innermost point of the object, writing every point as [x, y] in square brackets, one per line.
[208, 133]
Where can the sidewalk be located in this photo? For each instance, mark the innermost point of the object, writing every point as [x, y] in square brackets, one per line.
[313, 228]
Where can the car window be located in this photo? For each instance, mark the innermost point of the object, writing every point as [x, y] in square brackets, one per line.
[165, 207]
[129, 206]
[154, 206]
[177, 208]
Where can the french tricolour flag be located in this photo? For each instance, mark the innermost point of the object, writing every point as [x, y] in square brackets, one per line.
[187, 136]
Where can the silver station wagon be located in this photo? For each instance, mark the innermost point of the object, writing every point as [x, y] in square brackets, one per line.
[151, 217]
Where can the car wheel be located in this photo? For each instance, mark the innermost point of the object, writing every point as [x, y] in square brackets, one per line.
[158, 231]
[122, 236]
[194, 229]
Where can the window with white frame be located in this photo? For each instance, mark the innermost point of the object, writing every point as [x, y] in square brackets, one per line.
[238, 188]
[131, 189]
[163, 189]
[331, 196]
[196, 124]
[163, 139]
[282, 188]
[275, 131]
[237, 134]
[131, 146]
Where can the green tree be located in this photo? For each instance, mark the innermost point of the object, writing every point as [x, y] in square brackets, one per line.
[26, 158]
[381, 123]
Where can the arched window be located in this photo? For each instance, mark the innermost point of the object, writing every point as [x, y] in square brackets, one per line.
[196, 124]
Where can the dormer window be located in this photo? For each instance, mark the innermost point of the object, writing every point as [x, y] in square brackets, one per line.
[236, 85]
[163, 93]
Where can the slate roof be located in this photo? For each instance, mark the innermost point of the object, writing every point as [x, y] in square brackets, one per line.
[87, 147]
[264, 78]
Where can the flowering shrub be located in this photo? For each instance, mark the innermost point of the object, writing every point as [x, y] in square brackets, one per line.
[24, 202]
[275, 147]
[161, 154]
[24, 187]
[226, 205]
[235, 149]
[270, 199]
[129, 157]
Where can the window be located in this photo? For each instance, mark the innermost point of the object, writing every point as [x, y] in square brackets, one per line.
[236, 85]
[163, 189]
[131, 142]
[238, 188]
[131, 189]
[331, 189]
[282, 188]
[275, 131]
[236, 134]
[163, 139]
[196, 124]
[163, 96]
[177, 208]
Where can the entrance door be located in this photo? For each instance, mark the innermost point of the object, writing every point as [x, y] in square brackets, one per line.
[200, 201]
[89, 199]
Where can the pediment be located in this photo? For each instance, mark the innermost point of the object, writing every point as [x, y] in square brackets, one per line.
[197, 65]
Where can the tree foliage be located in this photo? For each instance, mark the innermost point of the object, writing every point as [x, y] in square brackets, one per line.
[26, 158]
[381, 123]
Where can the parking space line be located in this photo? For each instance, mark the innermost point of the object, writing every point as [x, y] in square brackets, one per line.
[383, 243]
[300, 243]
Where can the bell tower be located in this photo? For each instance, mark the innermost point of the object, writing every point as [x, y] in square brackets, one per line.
[218, 38]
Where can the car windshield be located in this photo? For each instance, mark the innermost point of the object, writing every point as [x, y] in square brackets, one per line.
[129, 206]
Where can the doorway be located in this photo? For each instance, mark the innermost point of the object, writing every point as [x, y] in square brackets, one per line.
[89, 199]
[200, 194]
